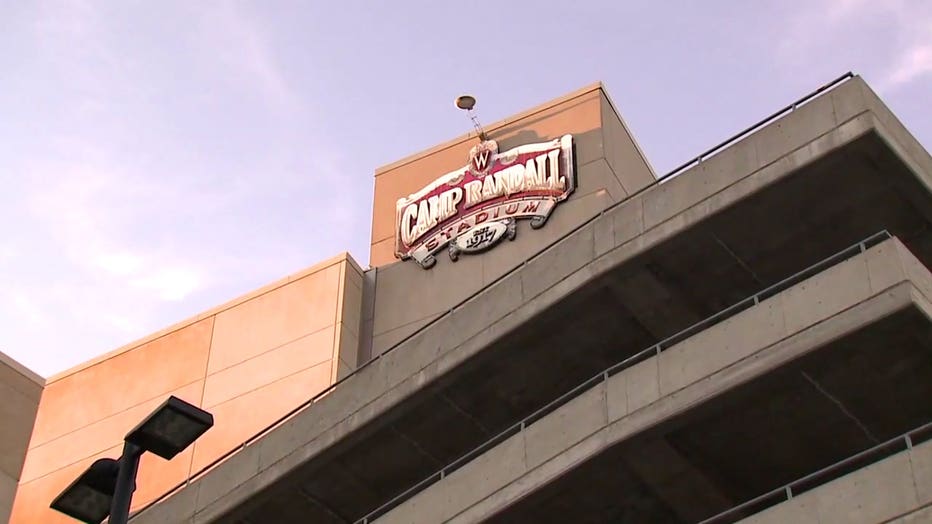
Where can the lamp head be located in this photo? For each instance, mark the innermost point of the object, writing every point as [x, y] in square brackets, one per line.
[171, 428]
[88, 498]
[465, 102]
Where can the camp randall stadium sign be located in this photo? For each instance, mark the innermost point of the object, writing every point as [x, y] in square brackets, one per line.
[473, 208]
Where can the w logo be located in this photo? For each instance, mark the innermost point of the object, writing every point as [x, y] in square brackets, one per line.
[480, 157]
[480, 162]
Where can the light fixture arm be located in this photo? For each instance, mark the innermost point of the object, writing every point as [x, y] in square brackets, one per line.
[477, 125]
[468, 103]
[125, 483]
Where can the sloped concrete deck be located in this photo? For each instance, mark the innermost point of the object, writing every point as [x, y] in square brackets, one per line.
[678, 473]
[823, 177]
[896, 490]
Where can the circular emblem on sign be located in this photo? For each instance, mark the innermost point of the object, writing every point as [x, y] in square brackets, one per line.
[480, 237]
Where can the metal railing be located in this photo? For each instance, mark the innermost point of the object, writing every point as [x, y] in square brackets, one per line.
[641, 356]
[676, 171]
[825, 475]
[742, 134]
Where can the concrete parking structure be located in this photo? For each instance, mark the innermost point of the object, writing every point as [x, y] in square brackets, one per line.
[662, 349]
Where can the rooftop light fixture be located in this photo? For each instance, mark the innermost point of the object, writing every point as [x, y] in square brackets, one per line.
[468, 103]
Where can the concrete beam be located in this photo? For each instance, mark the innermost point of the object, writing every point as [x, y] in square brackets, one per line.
[883, 280]
[666, 471]
[920, 516]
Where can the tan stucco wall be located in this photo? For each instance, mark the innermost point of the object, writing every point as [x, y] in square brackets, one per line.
[609, 167]
[248, 362]
[20, 390]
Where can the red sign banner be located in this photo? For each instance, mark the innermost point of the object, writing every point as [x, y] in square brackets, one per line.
[471, 209]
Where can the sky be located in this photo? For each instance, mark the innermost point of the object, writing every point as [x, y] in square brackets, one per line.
[160, 158]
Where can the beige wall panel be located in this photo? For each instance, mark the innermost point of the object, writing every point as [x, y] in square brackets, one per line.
[242, 417]
[351, 314]
[264, 369]
[349, 348]
[123, 381]
[98, 435]
[382, 252]
[157, 475]
[275, 318]
[354, 273]
[271, 350]
[33, 498]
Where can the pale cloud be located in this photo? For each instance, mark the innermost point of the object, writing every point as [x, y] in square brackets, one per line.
[912, 64]
[90, 214]
[119, 263]
[170, 283]
[839, 9]
[149, 273]
[8, 252]
[892, 39]
[116, 240]
[27, 307]
[72, 36]
[238, 41]
[66, 201]
[913, 58]
[123, 323]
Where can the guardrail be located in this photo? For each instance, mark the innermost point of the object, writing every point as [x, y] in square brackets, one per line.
[823, 476]
[742, 134]
[676, 171]
[645, 354]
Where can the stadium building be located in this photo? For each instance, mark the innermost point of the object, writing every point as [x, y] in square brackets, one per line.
[548, 331]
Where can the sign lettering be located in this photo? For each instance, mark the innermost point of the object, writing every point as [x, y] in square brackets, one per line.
[526, 182]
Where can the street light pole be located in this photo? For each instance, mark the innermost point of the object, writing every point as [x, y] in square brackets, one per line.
[125, 484]
[106, 488]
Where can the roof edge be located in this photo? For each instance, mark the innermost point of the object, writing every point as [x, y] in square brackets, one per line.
[637, 145]
[336, 259]
[490, 128]
[13, 364]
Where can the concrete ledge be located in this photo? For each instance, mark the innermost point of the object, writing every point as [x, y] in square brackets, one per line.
[920, 516]
[892, 488]
[677, 403]
[780, 329]
[545, 280]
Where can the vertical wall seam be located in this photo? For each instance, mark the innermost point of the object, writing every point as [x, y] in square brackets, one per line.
[370, 333]
[210, 350]
[605, 420]
[912, 474]
[338, 322]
